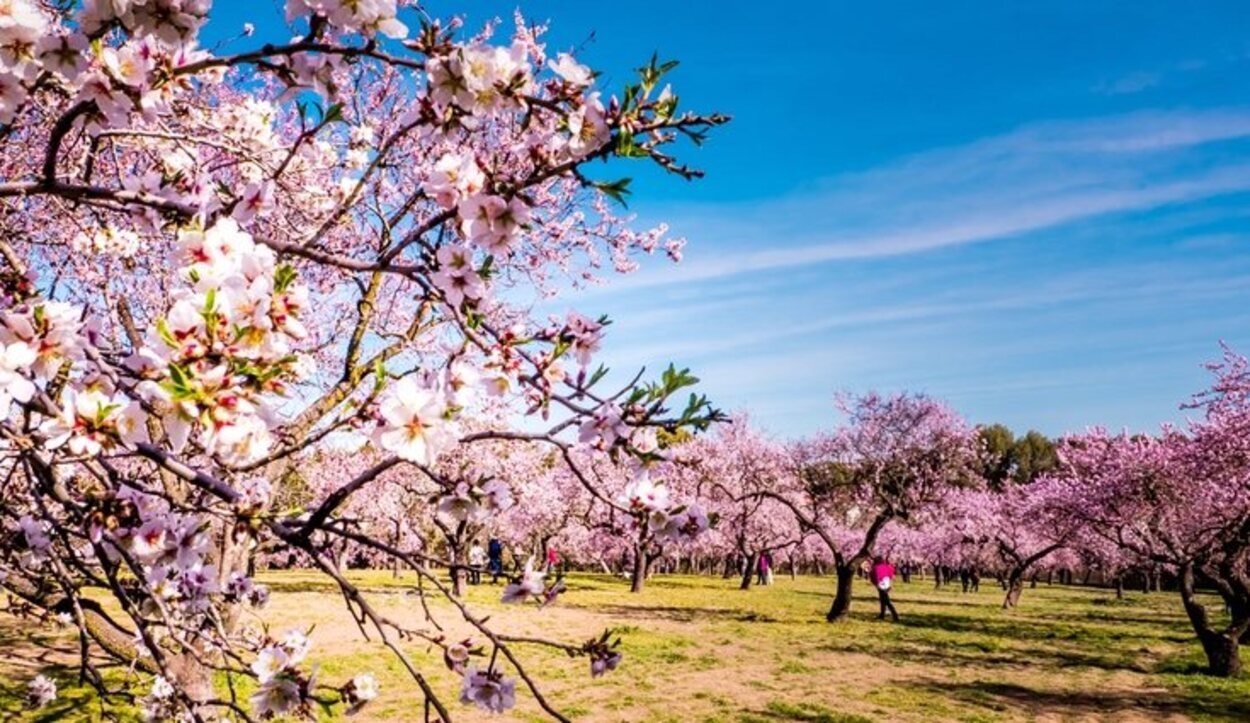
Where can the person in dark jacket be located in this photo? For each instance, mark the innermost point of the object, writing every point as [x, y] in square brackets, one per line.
[494, 556]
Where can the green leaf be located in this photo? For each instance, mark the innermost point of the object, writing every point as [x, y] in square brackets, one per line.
[283, 277]
[626, 148]
[333, 114]
[616, 190]
[597, 376]
[162, 330]
[180, 382]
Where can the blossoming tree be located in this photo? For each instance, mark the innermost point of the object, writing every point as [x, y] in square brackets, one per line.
[217, 262]
[1023, 523]
[894, 459]
[730, 469]
[1180, 499]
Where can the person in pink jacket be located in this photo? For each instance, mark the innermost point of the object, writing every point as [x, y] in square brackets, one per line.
[882, 576]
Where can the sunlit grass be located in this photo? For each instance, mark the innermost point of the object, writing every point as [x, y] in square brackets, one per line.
[699, 649]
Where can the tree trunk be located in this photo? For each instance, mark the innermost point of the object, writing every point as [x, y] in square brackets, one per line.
[639, 576]
[1223, 654]
[395, 563]
[456, 571]
[1119, 587]
[842, 598]
[748, 574]
[1222, 650]
[1015, 586]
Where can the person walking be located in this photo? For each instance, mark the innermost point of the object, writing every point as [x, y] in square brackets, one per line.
[882, 576]
[764, 569]
[477, 560]
[494, 556]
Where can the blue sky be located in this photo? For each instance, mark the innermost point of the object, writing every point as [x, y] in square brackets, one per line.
[1039, 212]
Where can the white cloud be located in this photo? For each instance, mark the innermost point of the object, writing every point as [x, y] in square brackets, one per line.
[1040, 176]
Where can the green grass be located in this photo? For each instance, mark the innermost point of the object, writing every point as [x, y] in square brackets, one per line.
[698, 649]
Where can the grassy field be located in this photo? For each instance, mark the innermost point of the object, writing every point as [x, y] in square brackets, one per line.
[698, 649]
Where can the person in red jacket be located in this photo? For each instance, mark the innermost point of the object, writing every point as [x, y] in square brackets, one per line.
[883, 577]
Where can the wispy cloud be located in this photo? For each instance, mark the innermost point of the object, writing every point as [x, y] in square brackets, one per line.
[1040, 176]
[1132, 83]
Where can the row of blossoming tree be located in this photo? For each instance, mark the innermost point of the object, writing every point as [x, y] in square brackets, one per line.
[219, 266]
[904, 475]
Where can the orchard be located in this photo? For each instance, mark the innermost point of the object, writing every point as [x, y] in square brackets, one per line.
[273, 327]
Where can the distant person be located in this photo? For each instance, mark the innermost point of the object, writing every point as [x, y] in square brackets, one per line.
[553, 558]
[974, 579]
[494, 556]
[765, 569]
[477, 560]
[905, 571]
[965, 578]
[882, 576]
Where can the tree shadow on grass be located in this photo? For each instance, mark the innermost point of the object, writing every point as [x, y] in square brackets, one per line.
[978, 645]
[1001, 697]
[972, 653]
[1049, 629]
[676, 613]
[34, 647]
[73, 702]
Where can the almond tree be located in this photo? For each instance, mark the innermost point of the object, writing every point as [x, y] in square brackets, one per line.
[893, 460]
[1182, 500]
[729, 471]
[1022, 523]
[216, 262]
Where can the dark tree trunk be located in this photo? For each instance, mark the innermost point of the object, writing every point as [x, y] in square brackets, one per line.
[1014, 586]
[842, 598]
[638, 576]
[1223, 654]
[1223, 650]
[1119, 587]
[749, 573]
